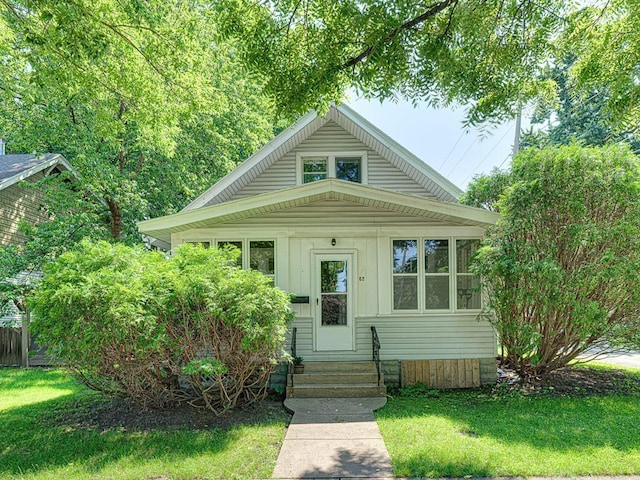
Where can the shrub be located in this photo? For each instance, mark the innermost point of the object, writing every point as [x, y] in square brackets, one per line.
[159, 330]
[561, 266]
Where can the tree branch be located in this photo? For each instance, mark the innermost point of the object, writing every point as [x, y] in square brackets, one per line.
[432, 11]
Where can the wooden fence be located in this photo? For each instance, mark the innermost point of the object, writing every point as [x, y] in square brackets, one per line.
[10, 346]
[459, 373]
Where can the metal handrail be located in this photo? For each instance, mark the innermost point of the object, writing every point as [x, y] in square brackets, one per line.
[375, 344]
[294, 334]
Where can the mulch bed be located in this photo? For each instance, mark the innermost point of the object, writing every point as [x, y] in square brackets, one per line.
[121, 414]
[580, 381]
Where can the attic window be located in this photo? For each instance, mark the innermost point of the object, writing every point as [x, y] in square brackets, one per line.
[314, 169]
[351, 167]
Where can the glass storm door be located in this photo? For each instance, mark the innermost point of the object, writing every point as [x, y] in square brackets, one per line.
[334, 302]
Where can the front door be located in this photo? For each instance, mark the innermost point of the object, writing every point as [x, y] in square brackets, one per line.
[334, 302]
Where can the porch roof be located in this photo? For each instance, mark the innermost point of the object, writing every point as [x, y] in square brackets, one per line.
[330, 189]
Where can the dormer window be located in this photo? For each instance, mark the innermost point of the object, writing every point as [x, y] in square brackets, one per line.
[351, 167]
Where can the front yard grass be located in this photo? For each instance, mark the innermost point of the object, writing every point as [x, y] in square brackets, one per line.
[44, 436]
[505, 432]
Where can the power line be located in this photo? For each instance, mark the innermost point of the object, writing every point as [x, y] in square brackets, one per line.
[452, 149]
[463, 155]
[489, 153]
[505, 159]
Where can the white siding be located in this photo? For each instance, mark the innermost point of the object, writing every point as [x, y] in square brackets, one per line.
[339, 212]
[332, 138]
[403, 336]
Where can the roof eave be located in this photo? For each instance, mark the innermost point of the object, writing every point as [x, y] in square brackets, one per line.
[397, 148]
[242, 169]
[56, 159]
[163, 226]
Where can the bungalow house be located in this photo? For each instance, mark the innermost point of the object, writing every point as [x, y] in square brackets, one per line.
[371, 241]
[18, 203]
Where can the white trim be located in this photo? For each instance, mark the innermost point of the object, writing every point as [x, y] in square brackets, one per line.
[55, 160]
[403, 158]
[251, 162]
[421, 275]
[162, 227]
[331, 164]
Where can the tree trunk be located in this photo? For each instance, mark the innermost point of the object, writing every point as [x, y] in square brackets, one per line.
[116, 218]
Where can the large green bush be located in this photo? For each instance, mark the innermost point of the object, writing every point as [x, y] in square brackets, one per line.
[160, 330]
[562, 266]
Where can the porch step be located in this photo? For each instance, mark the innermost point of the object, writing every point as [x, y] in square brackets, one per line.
[355, 378]
[339, 367]
[336, 380]
[336, 391]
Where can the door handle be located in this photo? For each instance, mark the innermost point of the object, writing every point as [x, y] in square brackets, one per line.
[317, 301]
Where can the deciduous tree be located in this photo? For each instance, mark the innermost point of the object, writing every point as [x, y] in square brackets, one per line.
[143, 98]
[483, 54]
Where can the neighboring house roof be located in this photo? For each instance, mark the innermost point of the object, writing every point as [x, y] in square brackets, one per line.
[330, 189]
[353, 123]
[15, 168]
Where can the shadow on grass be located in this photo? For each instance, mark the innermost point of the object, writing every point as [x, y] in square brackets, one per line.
[32, 440]
[492, 430]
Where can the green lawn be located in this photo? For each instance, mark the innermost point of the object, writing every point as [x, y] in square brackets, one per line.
[34, 446]
[457, 434]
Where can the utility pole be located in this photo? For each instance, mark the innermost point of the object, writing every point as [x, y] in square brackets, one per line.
[516, 140]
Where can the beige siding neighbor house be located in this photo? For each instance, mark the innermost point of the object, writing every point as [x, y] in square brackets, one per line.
[365, 235]
[19, 203]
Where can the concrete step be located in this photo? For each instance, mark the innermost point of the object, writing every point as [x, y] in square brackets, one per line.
[338, 367]
[336, 391]
[355, 378]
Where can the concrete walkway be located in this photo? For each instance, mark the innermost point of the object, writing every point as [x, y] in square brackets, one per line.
[333, 438]
[622, 359]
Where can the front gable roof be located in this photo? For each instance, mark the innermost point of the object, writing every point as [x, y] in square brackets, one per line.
[354, 124]
[330, 189]
[15, 168]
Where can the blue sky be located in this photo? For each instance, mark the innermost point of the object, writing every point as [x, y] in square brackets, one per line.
[439, 139]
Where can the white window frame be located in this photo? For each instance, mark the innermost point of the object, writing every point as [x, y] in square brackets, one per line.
[198, 240]
[453, 275]
[456, 274]
[246, 242]
[331, 164]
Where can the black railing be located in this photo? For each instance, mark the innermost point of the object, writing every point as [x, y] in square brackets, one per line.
[294, 336]
[375, 344]
[293, 342]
